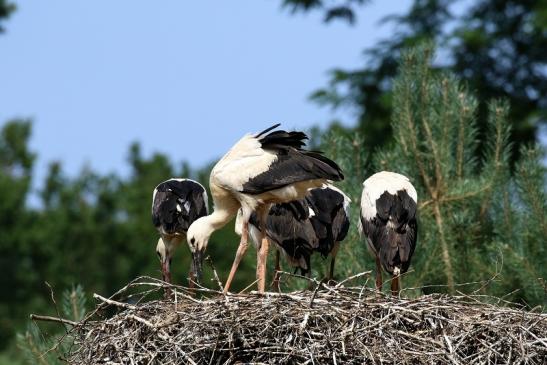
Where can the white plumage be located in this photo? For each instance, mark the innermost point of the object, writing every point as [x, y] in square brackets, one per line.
[380, 182]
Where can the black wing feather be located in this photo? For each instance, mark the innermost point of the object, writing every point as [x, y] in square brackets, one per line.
[330, 220]
[169, 213]
[293, 164]
[393, 231]
[288, 227]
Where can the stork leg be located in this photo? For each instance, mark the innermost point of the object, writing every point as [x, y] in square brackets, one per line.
[395, 285]
[378, 274]
[262, 256]
[333, 254]
[243, 245]
[275, 282]
[192, 281]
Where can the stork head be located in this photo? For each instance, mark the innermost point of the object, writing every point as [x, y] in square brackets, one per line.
[165, 254]
[198, 237]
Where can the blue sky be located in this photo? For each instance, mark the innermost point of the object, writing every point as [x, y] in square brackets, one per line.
[183, 78]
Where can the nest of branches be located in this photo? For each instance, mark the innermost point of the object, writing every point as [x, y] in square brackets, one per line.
[331, 324]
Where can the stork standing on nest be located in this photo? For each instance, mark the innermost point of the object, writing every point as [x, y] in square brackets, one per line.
[259, 170]
[317, 223]
[388, 222]
[176, 204]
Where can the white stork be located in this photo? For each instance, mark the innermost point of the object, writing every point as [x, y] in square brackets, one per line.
[259, 170]
[176, 204]
[388, 221]
[317, 223]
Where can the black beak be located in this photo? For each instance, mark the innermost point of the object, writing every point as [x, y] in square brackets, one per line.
[197, 265]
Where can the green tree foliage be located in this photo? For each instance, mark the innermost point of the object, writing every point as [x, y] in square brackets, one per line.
[39, 349]
[476, 222]
[333, 9]
[6, 8]
[90, 229]
[16, 162]
[496, 47]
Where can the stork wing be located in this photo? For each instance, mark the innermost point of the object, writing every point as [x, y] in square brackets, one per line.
[257, 165]
[289, 227]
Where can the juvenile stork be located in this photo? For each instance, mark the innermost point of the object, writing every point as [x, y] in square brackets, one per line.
[176, 204]
[388, 221]
[259, 170]
[317, 223]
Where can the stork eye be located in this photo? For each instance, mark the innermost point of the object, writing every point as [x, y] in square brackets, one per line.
[193, 240]
[159, 255]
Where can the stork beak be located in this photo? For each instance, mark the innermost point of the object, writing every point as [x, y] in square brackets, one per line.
[197, 265]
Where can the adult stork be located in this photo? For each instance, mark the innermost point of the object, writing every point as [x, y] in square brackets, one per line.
[176, 204]
[388, 221]
[317, 223]
[259, 170]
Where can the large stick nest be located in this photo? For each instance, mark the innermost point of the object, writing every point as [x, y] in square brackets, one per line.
[327, 325]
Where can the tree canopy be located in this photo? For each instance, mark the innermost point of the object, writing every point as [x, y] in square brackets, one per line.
[6, 8]
[495, 47]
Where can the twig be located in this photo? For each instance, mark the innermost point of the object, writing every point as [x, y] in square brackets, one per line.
[215, 275]
[114, 303]
[36, 317]
[364, 273]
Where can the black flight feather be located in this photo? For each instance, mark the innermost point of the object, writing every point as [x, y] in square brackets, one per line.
[293, 164]
[393, 231]
[268, 129]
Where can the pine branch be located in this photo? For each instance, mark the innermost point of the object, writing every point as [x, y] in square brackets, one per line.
[445, 248]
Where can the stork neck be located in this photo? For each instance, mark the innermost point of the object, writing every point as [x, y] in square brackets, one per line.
[219, 218]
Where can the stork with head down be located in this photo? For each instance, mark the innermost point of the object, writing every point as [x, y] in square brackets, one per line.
[176, 204]
[259, 170]
[318, 223]
[388, 222]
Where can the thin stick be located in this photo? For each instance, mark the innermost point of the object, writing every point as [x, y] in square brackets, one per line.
[36, 317]
[364, 273]
[215, 275]
[114, 303]
[248, 286]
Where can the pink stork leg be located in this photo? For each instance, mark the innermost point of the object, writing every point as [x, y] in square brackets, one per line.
[243, 244]
[395, 285]
[275, 282]
[378, 274]
[262, 256]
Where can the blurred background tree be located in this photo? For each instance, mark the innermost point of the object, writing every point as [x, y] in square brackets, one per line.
[6, 8]
[496, 47]
[477, 222]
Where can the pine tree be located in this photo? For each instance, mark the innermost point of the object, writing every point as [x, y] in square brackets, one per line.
[41, 349]
[476, 221]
